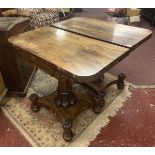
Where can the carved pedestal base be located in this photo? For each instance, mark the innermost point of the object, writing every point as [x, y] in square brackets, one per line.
[65, 115]
[66, 105]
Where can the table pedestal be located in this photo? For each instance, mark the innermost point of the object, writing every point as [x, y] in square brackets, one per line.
[66, 104]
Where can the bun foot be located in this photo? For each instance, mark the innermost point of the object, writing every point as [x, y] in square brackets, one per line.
[120, 83]
[98, 103]
[34, 106]
[67, 134]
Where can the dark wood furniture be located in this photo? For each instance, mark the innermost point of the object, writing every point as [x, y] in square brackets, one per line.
[149, 14]
[71, 58]
[3, 89]
[118, 34]
[16, 73]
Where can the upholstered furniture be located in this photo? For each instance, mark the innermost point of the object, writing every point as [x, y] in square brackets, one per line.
[39, 17]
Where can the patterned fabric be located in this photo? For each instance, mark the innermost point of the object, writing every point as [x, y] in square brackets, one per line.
[40, 17]
[29, 12]
[44, 19]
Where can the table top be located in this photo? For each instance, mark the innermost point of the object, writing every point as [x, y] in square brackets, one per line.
[76, 54]
[123, 35]
[6, 23]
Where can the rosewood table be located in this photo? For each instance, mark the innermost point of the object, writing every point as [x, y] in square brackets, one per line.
[122, 35]
[118, 34]
[70, 58]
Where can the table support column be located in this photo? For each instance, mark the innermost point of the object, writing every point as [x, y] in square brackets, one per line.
[65, 96]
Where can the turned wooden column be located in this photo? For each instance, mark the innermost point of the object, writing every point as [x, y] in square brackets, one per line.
[65, 96]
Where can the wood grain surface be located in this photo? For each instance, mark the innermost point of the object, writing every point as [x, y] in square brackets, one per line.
[123, 35]
[78, 55]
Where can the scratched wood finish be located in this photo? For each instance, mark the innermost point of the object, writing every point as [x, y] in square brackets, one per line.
[123, 35]
[78, 55]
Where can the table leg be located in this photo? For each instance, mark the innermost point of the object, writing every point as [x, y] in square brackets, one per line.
[68, 133]
[35, 107]
[99, 91]
[65, 98]
[120, 82]
[99, 102]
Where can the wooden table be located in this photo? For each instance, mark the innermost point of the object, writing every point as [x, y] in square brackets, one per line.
[118, 34]
[16, 73]
[70, 57]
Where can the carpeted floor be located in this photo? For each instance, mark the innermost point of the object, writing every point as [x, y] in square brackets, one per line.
[133, 125]
[10, 135]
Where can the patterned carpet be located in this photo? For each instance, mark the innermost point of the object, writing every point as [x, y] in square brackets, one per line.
[42, 128]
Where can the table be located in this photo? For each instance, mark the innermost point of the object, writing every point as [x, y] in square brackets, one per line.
[16, 73]
[70, 58]
[118, 34]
